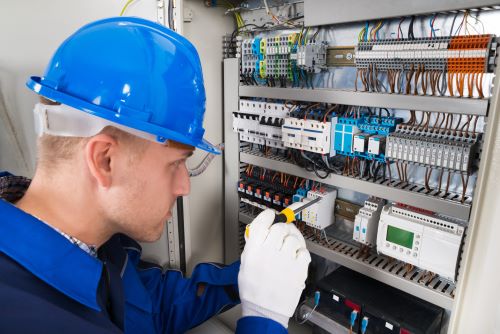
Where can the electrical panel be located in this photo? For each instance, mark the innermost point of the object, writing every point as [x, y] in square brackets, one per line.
[389, 116]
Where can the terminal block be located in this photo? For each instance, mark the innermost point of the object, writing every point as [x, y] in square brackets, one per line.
[250, 57]
[278, 50]
[366, 221]
[426, 148]
[266, 58]
[456, 54]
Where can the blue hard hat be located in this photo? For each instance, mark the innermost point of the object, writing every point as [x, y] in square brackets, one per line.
[133, 72]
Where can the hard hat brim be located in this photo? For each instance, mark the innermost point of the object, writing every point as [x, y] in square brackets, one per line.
[36, 84]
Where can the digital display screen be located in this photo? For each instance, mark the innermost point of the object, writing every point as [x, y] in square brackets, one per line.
[400, 237]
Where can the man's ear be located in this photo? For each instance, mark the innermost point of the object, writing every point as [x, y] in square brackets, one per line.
[100, 152]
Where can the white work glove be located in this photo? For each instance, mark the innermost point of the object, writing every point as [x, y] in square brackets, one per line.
[273, 269]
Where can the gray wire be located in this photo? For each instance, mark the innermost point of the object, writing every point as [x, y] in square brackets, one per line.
[442, 83]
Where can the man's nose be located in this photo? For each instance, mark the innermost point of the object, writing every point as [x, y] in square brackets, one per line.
[182, 182]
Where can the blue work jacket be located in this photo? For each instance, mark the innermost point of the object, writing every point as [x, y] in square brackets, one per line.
[50, 285]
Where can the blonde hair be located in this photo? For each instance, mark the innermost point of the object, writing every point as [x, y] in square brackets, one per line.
[53, 150]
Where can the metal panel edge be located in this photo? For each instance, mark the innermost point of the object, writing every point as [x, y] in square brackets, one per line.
[231, 161]
[482, 218]
[443, 206]
[396, 101]
[322, 12]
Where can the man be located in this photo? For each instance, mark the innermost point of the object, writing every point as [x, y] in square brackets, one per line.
[121, 109]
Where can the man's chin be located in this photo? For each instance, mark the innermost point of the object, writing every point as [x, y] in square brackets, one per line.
[152, 236]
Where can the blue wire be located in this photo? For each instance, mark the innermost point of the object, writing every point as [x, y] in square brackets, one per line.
[432, 28]
[367, 26]
[305, 77]
[364, 325]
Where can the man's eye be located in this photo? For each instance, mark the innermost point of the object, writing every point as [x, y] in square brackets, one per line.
[177, 163]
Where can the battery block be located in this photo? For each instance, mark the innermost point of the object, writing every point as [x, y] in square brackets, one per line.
[321, 214]
[427, 241]
[389, 310]
[366, 221]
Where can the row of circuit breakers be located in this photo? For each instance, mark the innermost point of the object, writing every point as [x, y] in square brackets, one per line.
[419, 238]
[323, 131]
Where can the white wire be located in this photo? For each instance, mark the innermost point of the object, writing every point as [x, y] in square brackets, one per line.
[323, 232]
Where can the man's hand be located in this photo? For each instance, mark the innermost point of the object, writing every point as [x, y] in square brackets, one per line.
[273, 269]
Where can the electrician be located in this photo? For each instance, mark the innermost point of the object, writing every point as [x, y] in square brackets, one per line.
[122, 105]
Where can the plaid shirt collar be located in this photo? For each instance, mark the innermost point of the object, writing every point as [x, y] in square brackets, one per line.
[13, 188]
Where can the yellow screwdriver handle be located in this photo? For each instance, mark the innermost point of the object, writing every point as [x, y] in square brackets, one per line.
[285, 216]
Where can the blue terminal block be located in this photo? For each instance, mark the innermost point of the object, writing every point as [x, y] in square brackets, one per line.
[379, 125]
[256, 46]
[298, 197]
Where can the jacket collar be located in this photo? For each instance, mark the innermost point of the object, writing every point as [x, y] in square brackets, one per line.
[49, 255]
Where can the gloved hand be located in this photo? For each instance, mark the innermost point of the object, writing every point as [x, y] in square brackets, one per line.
[273, 269]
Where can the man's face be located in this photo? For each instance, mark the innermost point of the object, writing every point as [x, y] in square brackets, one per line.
[145, 189]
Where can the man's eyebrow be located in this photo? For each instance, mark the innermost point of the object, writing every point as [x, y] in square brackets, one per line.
[188, 154]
